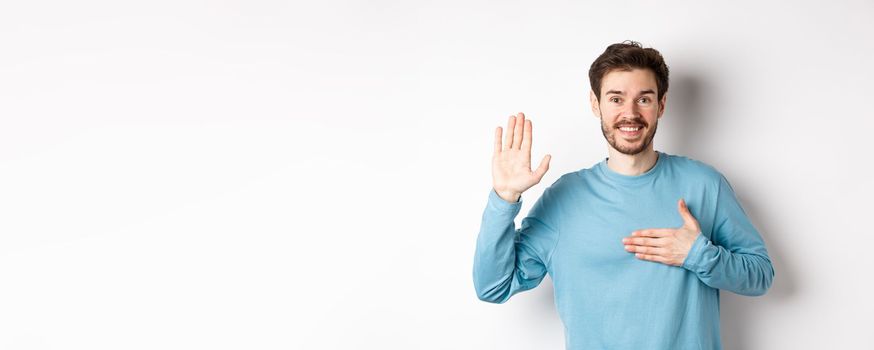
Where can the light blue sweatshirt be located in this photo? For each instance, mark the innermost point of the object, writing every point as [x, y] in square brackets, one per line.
[606, 297]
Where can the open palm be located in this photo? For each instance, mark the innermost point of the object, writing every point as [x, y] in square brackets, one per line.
[511, 162]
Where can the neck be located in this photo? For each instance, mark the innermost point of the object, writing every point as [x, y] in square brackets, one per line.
[632, 165]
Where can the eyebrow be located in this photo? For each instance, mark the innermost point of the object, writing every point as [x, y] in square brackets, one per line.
[642, 92]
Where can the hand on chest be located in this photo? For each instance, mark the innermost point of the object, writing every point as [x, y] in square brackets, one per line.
[659, 229]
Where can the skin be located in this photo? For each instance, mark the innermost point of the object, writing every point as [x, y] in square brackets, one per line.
[627, 97]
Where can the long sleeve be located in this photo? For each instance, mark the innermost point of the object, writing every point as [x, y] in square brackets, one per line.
[735, 259]
[508, 261]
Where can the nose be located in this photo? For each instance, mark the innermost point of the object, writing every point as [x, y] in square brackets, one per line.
[630, 111]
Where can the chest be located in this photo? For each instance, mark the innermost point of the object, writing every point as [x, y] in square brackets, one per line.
[594, 225]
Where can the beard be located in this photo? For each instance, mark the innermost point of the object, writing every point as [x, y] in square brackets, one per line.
[612, 133]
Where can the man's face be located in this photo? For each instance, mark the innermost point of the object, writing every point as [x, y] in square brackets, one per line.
[628, 109]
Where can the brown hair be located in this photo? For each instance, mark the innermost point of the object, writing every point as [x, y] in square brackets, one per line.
[625, 56]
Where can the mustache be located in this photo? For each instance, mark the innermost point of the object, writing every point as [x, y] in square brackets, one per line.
[635, 121]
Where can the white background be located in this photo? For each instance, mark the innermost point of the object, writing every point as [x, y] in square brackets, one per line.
[311, 175]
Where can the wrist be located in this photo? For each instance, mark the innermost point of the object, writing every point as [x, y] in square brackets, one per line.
[691, 261]
[509, 196]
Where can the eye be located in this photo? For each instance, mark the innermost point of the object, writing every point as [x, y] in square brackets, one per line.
[614, 99]
[644, 100]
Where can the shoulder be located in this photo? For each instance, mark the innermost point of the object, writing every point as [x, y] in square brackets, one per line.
[690, 169]
[562, 188]
[563, 184]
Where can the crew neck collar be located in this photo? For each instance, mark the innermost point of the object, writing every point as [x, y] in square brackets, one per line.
[633, 179]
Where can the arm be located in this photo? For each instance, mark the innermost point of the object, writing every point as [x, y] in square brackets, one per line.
[736, 259]
[508, 261]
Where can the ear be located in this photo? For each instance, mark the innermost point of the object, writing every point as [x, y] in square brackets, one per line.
[596, 109]
[662, 104]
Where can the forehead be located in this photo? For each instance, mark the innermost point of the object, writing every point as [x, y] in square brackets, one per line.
[628, 80]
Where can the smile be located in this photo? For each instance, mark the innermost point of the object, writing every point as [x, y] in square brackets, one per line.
[630, 131]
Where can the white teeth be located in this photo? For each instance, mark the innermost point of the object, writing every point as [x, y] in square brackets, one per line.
[627, 128]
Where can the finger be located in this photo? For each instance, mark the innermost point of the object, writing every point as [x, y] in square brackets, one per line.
[651, 257]
[645, 250]
[517, 132]
[684, 212]
[646, 241]
[526, 137]
[654, 232]
[509, 140]
[544, 166]
[498, 140]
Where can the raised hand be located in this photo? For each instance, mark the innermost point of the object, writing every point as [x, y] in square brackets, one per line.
[511, 162]
[669, 246]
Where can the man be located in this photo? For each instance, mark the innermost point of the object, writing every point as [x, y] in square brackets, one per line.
[637, 246]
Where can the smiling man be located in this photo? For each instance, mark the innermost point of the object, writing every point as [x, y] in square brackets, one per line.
[639, 245]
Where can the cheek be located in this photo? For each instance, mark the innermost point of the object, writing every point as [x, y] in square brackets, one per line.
[610, 113]
[650, 112]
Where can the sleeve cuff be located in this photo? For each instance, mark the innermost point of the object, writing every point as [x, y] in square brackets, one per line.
[693, 258]
[496, 202]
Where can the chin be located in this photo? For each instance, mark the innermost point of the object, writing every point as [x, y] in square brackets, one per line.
[631, 149]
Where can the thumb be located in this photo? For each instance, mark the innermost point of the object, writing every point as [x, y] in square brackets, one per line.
[544, 166]
[684, 212]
